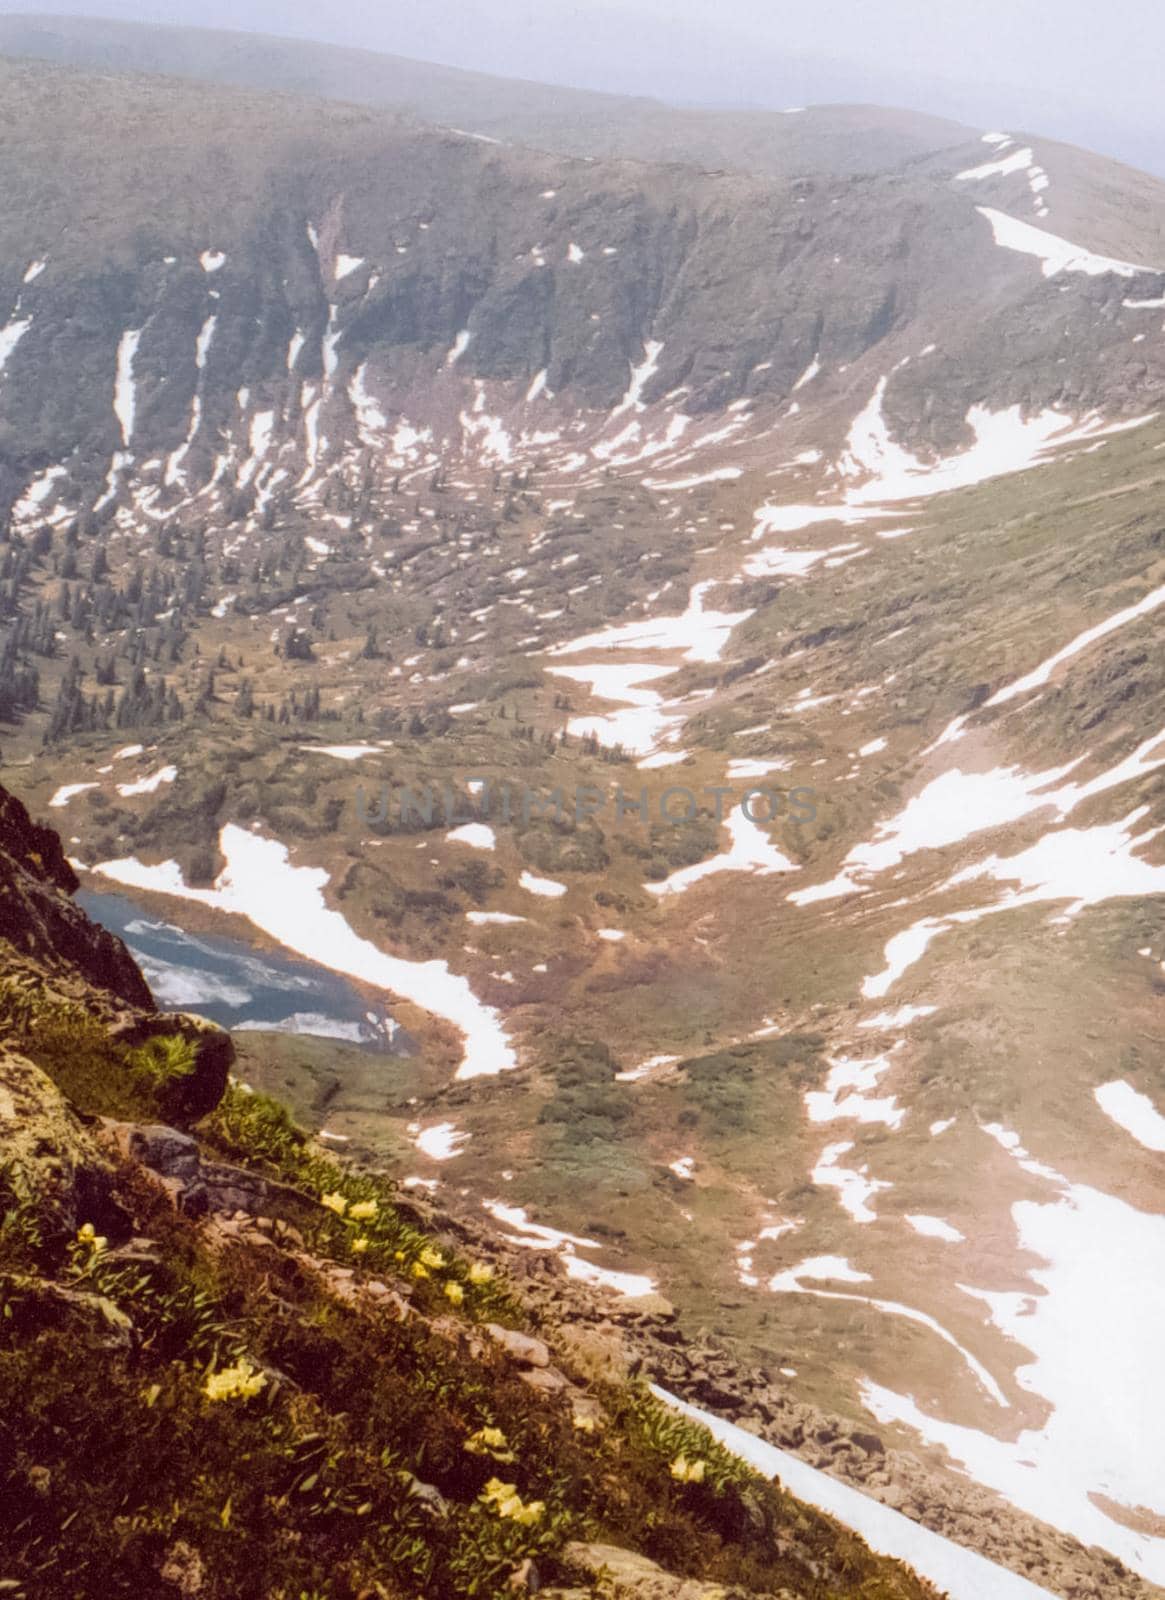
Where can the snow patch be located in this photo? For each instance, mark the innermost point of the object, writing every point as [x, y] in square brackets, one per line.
[10, 337]
[475, 834]
[460, 346]
[65, 794]
[542, 886]
[1130, 1110]
[1055, 254]
[751, 850]
[441, 1142]
[149, 785]
[960, 1573]
[124, 394]
[641, 376]
[935, 1228]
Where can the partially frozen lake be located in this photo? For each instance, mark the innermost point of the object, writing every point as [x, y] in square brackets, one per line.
[240, 987]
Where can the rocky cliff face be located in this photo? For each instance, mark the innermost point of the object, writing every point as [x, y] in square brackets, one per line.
[42, 929]
[228, 301]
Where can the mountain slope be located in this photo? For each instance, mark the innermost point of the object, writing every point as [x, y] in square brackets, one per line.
[332, 280]
[351, 461]
[1113, 208]
[178, 1386]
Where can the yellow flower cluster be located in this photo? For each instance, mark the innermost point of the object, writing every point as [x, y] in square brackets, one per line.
[240, 1382]
[489, 1442]
[87, 1235]
[358, 1211]
[686, 1471]
[505, 1501]
[428, 1260]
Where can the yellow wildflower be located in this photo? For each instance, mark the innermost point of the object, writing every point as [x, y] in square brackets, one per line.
[364, 1211]
[480, 1273]
[489, 1442]
[686, 1471]
[240, 1382]
[419, 1271]
[88, 1235]
[334, 1202]
[431, 1258]
[359, 1245]
[505, 1501]
[454, 1293]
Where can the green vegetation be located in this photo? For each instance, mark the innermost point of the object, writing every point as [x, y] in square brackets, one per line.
[720, 1087]
[163, 1061]
[109, 1079]
[173, 1405]
[588, 1103]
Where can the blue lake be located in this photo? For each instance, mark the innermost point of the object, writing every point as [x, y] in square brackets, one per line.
[240, 987]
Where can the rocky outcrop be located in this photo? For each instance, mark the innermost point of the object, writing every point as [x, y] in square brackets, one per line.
[55, 960]
[627, 1575]
[46, 1153]
[39, 920]
[211, 1055]
[196, 1184]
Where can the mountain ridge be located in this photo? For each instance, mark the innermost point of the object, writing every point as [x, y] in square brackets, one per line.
[590, 269]
[569, 122]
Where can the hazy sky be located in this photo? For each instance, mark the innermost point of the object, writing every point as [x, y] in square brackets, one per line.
[1074, 69]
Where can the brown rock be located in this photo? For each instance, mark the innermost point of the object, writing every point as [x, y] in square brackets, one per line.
[520, 1347]
[39, 919]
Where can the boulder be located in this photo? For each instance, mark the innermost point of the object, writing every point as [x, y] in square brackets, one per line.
[520, 1347]
[870, 1443]
[622, 1573]
[50, 1157]
[195, 1094]
[548, 1380]
[598, 1354]
[164, 1150]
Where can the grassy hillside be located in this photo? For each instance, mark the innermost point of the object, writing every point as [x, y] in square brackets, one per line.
[232, 1367]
